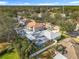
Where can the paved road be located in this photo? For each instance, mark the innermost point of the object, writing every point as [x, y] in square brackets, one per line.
[74, 33]
[70, 48]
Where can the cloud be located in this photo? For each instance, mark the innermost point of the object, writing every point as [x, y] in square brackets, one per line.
[8, 3]
[74, 2]
[39, 4]
[19, 3]
[32, 4]
[54, 3]
[3, 2]
[26, 3]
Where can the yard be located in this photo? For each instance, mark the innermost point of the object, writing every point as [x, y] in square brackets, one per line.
[12, 55]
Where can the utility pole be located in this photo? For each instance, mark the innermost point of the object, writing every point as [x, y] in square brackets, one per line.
[63, 9]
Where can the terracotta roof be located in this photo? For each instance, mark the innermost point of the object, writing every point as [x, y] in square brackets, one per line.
[31, 24]
[35, 25]
[38, 25]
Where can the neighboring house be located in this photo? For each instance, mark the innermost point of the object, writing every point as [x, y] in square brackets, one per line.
[77, 24]
[21, 20]
[19, 12]
[63, 15]
[52, 15]
[40, 15]
[77, 27]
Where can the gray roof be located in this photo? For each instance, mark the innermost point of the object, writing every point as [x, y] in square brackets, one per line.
[59, 56]
[39, 37]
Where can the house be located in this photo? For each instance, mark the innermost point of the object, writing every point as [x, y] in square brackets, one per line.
[37, 32]
[21, 20]
[77, 27]
[40, 15]
[52, 15]
[77, 24]
[41, 37]
[63, 15]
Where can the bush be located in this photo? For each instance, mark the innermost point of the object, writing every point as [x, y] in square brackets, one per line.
[67, 26]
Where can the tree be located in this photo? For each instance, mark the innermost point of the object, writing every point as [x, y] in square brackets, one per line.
[67, 26]
[24, 47]
[7, 24]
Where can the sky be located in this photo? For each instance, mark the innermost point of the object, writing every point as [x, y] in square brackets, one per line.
[39, 2]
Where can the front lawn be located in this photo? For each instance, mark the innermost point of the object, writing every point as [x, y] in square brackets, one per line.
[12, 55]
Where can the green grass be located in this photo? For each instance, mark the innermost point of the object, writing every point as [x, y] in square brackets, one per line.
[13, 55]
[63, 36]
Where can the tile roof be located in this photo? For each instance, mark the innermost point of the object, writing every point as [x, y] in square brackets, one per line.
[35, 25]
